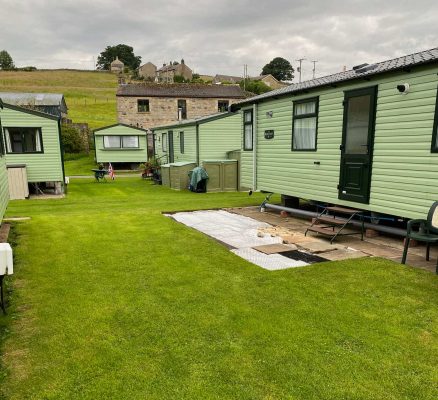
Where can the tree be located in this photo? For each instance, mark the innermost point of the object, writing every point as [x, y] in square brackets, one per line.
[6, 62]
[257, 87]
[280, 69]
[125, 54]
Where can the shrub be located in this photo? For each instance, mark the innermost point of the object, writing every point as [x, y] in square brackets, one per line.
[71, 139]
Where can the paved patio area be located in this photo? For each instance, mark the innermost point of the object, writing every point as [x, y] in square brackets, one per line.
[291, 231]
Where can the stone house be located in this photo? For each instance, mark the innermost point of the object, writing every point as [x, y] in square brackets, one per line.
[117, 66]
[148, 105]
[167, 73]
[148, 71]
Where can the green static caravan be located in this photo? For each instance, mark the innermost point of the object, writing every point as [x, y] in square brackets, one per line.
[121, 145]
[364, 138]
[4, 190]
[209, 137]
[33, 147]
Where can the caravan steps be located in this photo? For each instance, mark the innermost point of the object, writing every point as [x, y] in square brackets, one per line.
[329, 223]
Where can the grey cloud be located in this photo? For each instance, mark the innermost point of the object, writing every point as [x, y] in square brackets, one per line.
[218, 37]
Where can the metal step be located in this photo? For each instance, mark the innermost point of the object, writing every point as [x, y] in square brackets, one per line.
[342, 210]
[324, 231]
[330, 220]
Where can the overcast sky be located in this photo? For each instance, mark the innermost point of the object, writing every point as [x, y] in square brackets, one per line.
[218, 36]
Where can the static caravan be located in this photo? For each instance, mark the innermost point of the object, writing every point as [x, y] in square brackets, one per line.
[123, 146]
[205, 141]
[364, 138]
[4, 190]
[195, 140]
[33, 148]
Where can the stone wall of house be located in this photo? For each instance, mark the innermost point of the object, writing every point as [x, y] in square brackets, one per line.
[148, 70]
[163, 110]
[184, 71]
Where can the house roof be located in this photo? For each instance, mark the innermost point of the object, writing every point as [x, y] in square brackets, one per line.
[117, 62]
[125, 125]
[360, 72]
[195, 121]
[37, 99]
[187, 90]
[166, 68]
[261, 77]
[148, 63]
[227, 78]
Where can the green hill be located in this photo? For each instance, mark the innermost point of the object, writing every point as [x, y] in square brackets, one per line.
[90, 95]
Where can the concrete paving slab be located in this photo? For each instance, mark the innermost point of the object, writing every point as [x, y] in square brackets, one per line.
[389, 247]
[343, 254]
[271, 262]
[319, 246]
[274, 248]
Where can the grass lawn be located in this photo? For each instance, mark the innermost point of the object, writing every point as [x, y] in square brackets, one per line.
[112, 300]
[90, 95]
[79, 164]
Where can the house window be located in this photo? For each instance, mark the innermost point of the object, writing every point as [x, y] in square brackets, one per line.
[23, 140]
[181, 142]
[182, 109]
[305, 123]
[143, 106]
[222, 105]
[120, 142]
[164, 142]
[247, 130]
[435, 128]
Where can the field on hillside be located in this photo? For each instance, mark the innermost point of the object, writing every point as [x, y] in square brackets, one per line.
[90, 95]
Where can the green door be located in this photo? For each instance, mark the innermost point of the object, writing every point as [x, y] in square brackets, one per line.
[171, 153]
[357, 145]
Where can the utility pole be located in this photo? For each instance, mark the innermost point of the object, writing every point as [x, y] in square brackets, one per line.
[245, 74]
[314, 67]
[300, 60]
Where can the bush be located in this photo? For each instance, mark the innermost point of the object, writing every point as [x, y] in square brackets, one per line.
[180, 79]
[71, 140]
[257, 87]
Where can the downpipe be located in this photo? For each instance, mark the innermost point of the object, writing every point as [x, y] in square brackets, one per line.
[312, 214]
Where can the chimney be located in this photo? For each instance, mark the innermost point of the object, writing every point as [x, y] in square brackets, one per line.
[182, 60]
[344, 68]
[164, 64]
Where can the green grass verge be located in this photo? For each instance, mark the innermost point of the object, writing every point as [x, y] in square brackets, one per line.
[114, 300]
[90, 95]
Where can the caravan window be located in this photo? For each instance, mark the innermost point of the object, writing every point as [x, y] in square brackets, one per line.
[23, 140]
[164, 142]
[435, 128]
[305, 123]
[181, 142]
[119, 142]
[247, 130]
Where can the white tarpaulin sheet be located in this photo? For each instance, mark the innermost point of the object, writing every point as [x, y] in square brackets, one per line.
[239, 232]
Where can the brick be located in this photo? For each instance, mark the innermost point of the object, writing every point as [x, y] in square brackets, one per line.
[370, 233]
